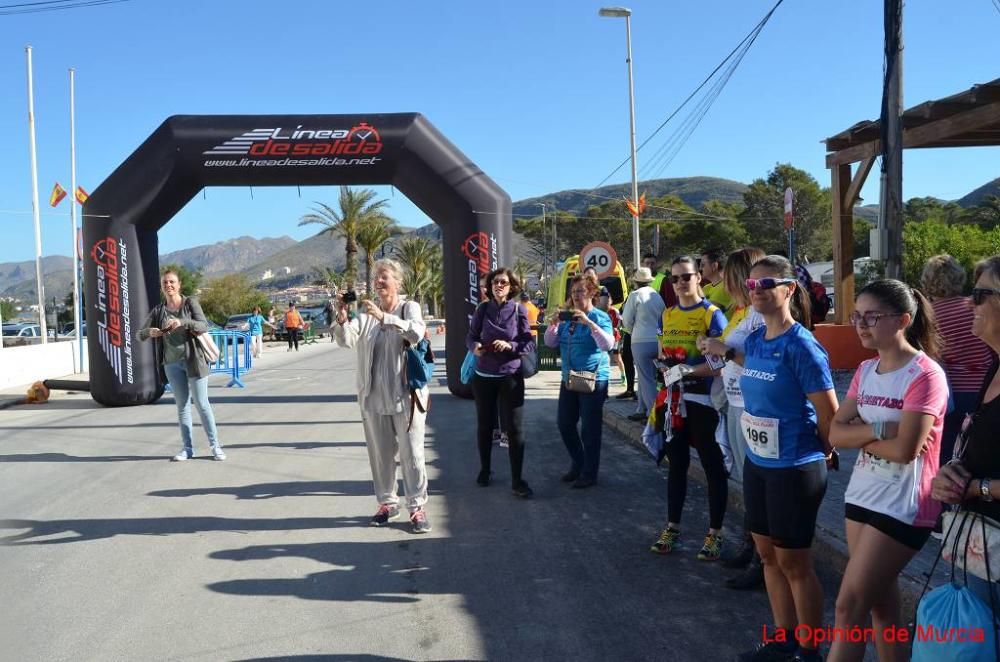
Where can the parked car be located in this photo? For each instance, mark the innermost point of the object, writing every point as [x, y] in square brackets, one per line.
[22, 330]
[314, 318]
[238, 323]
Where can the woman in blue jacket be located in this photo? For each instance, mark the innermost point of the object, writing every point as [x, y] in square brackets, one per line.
[499, 335]
[583, 344]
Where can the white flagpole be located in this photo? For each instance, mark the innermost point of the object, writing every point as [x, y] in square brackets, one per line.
[77, 316]
[34, 204]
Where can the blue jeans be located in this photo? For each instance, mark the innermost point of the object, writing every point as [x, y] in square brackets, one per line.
[644, 353]
[584, 446]
[184, 388]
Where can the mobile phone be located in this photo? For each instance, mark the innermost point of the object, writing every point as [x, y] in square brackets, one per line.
[350, 296]
[565, 316]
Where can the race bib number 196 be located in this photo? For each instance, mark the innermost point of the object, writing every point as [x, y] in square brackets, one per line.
[761, 435]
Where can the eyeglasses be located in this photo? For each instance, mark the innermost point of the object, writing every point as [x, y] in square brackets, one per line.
[767, 283]
[870, 319]
[577, 290]
[979, 295]
[686, 277]
[501, 283]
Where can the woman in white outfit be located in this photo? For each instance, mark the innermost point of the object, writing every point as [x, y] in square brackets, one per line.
[393, 420]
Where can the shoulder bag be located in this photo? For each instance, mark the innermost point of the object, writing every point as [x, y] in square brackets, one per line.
[204, 342]
[581, 381]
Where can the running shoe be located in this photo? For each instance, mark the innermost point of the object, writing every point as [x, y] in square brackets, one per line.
[772, 651]
[182, 456]
[668, 540]
[385, 514]
[218, 453]
[711, 549]
[419, 521]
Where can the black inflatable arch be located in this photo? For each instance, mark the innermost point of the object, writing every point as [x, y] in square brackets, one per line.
[189, 152]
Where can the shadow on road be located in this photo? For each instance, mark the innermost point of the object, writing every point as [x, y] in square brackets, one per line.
[321, 488]
[63, 457]
[278, 399]
[79, 530]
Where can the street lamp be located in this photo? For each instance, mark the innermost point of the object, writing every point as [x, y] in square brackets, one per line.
[544, 260]
[626, 13]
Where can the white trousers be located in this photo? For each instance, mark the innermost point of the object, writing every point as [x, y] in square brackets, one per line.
[255, 343]
[385, 436]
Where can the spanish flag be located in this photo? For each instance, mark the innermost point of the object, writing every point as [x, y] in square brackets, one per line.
[81, 195]
[58, 193]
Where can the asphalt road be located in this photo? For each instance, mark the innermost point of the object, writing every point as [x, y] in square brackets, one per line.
[110, 552]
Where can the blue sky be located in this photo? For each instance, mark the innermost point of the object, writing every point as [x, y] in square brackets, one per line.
[534, 92]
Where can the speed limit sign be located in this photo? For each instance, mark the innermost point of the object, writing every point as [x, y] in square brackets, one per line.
[599, 255]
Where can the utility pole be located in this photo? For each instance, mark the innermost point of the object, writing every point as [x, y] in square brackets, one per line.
[891, 199]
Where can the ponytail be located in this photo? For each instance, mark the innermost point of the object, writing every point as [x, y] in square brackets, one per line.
[799, 305]
[922, 332]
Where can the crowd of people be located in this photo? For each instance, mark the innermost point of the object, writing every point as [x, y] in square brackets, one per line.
[727, 365]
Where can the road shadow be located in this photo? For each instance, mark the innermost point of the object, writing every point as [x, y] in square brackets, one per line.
[319, 488]
[63, 457]
[80, 530]
[59, 405]
[301, 445]
[346, 657]
[281, 399]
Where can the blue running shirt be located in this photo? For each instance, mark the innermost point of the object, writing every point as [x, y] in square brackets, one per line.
[778, 373]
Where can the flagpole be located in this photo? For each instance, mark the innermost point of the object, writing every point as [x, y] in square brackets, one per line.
[34, 203]
[77, 313]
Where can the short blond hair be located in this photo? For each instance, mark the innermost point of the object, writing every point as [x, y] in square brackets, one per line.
[390, 265]
[943, 277]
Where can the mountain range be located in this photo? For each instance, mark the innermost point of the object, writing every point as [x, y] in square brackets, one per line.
[277, 262]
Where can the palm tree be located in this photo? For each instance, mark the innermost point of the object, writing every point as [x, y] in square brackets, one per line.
[355, 208]
[373, 233]
[435, 277]
[416, 254]
[521, 269]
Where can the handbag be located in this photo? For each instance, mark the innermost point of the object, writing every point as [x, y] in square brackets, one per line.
[581, 381]
[953, 608]
[978, 536]
[529, 364]
[468, 367]
[207, 347]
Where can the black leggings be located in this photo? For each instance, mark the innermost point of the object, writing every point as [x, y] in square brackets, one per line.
[293, 339]
[698, 432]
[503, 397]
[628, 362]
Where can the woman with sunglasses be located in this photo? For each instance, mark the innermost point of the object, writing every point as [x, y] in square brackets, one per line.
[499, 334]
[973, 479]
[789, 403]
[583, 342]
[894, 414]
[742, 322]
[693, 316]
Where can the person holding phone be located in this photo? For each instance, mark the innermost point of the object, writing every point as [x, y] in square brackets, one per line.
[583, 336]
[499, 334]
[172, 325]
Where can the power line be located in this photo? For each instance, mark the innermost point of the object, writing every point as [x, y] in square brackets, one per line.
[750, 36]
[53, 5]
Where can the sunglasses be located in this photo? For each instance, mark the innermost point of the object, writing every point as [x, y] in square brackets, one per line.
[501, 283]
[686, 277]
[870, 320]
[979, 295]
[767, 283]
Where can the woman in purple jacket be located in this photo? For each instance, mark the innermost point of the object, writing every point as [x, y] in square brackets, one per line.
[498, 335]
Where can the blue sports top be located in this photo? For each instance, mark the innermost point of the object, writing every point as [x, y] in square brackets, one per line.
[778, 374]
[578, 349]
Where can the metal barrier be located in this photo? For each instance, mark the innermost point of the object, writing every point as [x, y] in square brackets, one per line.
[235, 357]
[233, 360]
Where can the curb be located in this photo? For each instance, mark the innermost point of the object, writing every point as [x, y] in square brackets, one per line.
[828, 548]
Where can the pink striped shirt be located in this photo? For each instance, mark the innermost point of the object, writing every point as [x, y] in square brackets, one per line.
[965, 357]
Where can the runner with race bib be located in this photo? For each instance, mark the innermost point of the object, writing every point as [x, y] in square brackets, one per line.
[788, 405]
[894, 413]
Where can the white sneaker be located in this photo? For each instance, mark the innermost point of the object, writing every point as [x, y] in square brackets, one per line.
[218, 454]
[181, 457]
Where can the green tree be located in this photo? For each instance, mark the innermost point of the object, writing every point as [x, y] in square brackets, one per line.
[230, 295]
[6, 310]
[435, 282]
[763, 213]
[190, 280]
[966, 243]
[523, 269]
[329, 277]
[862, 238]
[373, 232]
[416, 254]
[356, 207]
[986, 214]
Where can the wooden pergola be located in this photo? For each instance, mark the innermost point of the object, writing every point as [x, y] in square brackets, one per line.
[968, 119]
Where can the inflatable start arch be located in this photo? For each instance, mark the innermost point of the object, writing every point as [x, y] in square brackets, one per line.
[188, 153]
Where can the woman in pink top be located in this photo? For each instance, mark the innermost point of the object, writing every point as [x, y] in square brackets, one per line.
[965, 357]
[893, 413]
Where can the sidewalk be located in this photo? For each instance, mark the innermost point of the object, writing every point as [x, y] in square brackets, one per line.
[830, 545]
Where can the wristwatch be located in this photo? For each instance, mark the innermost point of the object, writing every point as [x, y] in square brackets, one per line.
[984, 489]
[730, 354]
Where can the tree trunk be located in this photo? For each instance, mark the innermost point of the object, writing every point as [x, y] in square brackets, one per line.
[369, 264]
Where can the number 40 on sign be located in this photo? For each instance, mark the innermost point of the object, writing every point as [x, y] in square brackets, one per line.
[601, 256]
